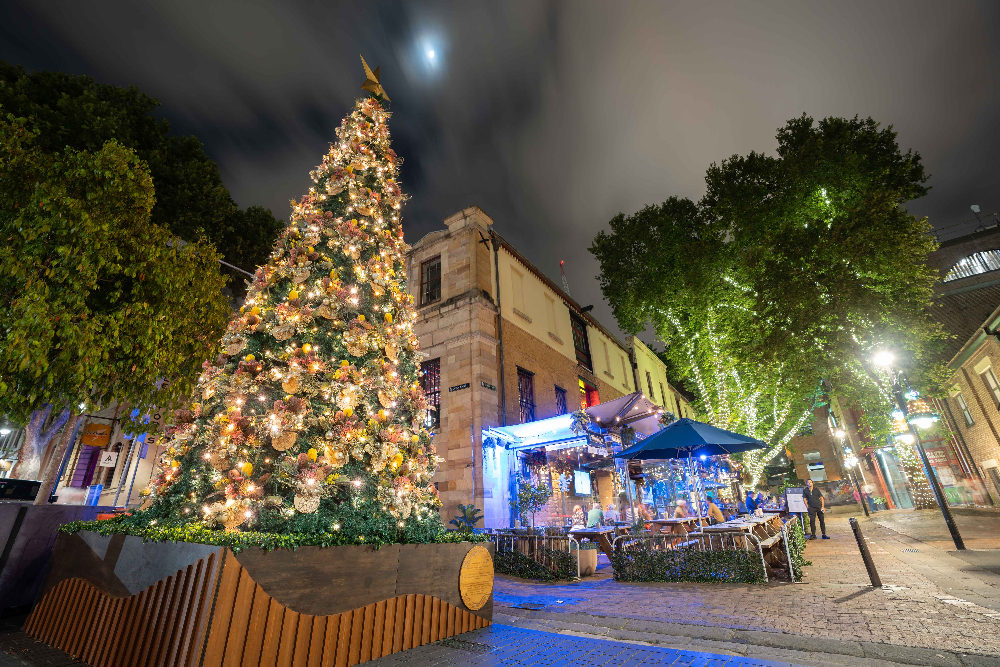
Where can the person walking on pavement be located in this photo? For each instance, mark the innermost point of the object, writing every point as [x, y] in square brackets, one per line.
[817, 507]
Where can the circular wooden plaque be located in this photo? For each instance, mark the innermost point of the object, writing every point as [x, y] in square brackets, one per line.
[475, 582]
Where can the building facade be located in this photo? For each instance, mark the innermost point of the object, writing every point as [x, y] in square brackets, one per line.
[504, 345]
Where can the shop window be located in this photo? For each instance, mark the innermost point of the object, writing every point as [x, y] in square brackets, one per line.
[649, 383]
[430, 281]
[964, 407]
[526, 394]
[430, 381]
[991, 381]
[588, 395]
[561, 408]
[580, 342]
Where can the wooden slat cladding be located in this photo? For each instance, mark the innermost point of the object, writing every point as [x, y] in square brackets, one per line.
[213, 614]
[158, 626]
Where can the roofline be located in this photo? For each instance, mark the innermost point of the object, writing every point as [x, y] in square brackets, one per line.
[565, 297]
[975, 342]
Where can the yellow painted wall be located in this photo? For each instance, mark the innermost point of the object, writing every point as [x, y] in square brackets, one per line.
[533, 306]
[648, 362]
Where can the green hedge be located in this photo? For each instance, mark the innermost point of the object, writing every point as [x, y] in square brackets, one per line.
[517, 564]
[643, 564]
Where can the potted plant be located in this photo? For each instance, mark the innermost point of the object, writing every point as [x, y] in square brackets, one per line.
[586, 551]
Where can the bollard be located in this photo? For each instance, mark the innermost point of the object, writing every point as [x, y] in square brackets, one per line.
[865, 555]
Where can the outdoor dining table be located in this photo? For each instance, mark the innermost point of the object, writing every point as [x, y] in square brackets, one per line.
[600, 534]
[675, 523]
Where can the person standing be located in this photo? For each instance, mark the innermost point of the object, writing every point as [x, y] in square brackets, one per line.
[751, 504]
[816, 503]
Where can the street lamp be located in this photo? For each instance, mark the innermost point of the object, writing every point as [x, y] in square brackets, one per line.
[920, 417]
[850, 461]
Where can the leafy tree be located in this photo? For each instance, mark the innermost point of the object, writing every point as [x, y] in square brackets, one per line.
[666, 266]
[97, 303]
[191, 201]
[791, 270]
[530, 498]
[836, 265]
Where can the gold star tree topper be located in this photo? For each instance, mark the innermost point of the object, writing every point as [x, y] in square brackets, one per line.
[372, 84]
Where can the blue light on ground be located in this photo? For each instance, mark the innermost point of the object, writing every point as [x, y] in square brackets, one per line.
[504, 645]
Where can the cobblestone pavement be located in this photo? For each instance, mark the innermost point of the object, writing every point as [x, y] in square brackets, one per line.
[836, 601]
[980, 528]
[503, 645]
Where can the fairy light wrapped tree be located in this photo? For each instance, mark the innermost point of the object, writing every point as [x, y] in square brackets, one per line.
[311, 419]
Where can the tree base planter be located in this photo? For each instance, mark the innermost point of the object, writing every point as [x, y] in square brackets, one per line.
[116, 600]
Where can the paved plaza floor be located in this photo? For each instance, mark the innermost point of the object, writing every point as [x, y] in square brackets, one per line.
[939, 607]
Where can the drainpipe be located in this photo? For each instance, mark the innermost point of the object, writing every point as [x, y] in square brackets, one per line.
[496, 267]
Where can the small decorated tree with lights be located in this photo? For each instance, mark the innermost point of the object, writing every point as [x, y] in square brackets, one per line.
[311, 419]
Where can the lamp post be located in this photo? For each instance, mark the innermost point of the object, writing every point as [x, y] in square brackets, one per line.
[885, 359]
[851, 462]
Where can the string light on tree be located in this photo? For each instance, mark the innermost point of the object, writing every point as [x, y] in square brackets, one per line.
[339, 417]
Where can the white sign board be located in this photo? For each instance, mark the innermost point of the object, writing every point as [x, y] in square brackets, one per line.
[108, 459]
[796, 503]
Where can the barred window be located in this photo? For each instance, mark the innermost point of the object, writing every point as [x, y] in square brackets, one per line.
[526, 394]
[430, 382]
[430, 281]
[561, 408]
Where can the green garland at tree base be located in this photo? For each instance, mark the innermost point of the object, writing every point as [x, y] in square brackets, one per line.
[240, 540]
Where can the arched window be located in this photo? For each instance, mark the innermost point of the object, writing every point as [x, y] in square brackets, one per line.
[980, 262]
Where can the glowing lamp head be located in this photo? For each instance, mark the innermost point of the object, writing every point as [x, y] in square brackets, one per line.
[924, 422]
[883, 358]
[703, 457]
[840, 433]
[905, 438]
[4, 430]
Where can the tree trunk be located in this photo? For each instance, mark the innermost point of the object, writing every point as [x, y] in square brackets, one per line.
[51, 475]
[29, 456]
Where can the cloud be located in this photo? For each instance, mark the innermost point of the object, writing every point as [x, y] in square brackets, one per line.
[552, 117]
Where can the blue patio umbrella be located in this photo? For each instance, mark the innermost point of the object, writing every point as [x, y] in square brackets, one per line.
[687, 438]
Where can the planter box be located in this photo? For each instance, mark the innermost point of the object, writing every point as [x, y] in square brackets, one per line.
[27, 536]
[119, 601]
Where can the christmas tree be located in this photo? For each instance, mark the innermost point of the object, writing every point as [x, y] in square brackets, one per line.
[311, 420]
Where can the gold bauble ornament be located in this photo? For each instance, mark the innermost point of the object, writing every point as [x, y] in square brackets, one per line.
[306, 504]
[283, 332]
[384, 398]
[284, 440]
[291, 385]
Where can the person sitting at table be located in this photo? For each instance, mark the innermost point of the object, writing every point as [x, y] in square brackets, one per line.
[579, 520]
[713, 511]
[644, 515]
[760, 500]
[682, 511]
[741, 507]
[595, 516]
[750, 503]
[611, 514]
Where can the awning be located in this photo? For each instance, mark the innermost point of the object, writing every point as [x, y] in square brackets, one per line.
[686, 437]
[633, 410]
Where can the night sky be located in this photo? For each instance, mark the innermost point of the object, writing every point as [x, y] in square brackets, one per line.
[552, 117]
